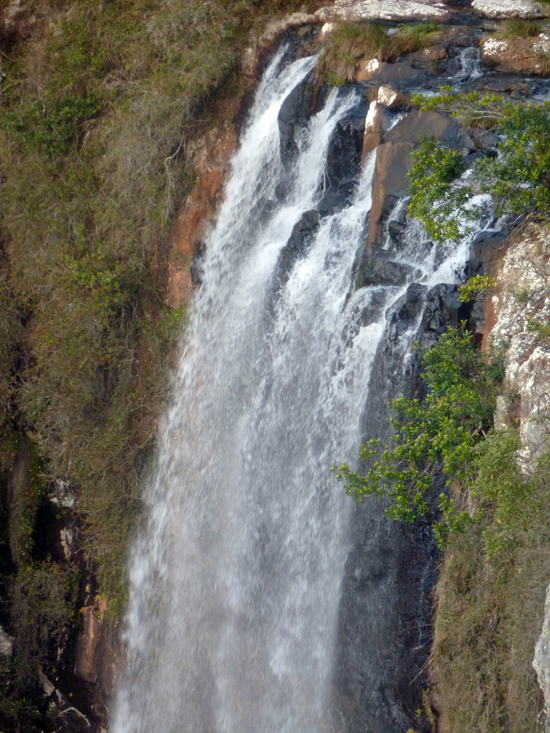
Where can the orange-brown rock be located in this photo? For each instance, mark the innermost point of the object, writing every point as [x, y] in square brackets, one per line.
[99, 653]
[211, 161]
[373, 129]
[420, 123]
[393, 161]
[518, 54]
[435, 53]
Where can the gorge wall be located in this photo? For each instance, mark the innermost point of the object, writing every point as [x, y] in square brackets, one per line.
[388, 566]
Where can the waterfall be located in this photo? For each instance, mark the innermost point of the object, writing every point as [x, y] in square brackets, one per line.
[236, 577]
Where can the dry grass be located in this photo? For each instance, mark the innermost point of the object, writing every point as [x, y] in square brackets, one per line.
[489, 616]
[349, 43]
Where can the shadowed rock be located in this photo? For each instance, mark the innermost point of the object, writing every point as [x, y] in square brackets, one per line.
[378, 269]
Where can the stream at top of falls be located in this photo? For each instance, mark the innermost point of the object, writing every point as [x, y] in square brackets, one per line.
[236, 576]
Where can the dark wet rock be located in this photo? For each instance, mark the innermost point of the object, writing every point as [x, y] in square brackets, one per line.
[335, 199]
[510, 84]
[293, 117]
[379, 269]
[298, 243]
[484, 248]
[268, 210]
[403, 313]
[395, 227]
[196, 269]
[443, 310]
[345, 149]
[457, 36]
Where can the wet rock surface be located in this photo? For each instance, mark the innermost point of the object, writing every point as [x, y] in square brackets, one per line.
[379, 269]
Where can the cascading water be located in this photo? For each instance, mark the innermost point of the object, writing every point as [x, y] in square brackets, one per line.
[236, 578]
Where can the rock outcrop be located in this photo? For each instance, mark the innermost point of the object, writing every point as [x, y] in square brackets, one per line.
[519, 54]
[541, 662]
[522, 292]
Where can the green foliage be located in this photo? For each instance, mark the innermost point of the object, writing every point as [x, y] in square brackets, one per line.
[42, 610]
[99, 103]
[431, 437]
[418, 30]
[501, 486]
[517, 178]
[535, 325]
[477, 285]
[52, 128]
[434, 198]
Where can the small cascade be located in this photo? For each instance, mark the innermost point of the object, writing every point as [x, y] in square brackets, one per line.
[237, 576]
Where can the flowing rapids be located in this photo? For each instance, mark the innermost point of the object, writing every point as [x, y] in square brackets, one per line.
[235, 581]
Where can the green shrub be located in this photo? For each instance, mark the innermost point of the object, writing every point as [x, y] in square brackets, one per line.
[99, 103]
[477, 285]
[517, 178]
[53, 128]
[435, 201]
[437, 435]
[489, 612]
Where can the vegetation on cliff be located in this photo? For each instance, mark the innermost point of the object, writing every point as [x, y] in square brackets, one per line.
[517, 177]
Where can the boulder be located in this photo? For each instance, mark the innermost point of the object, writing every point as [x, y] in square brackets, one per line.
[420, 123]
[402, 74]
[519, 54]
[510, 9]
[373, 128]
[392, 99]
[357, 10]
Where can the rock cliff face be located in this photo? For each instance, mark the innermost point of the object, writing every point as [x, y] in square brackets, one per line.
[521, 267]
